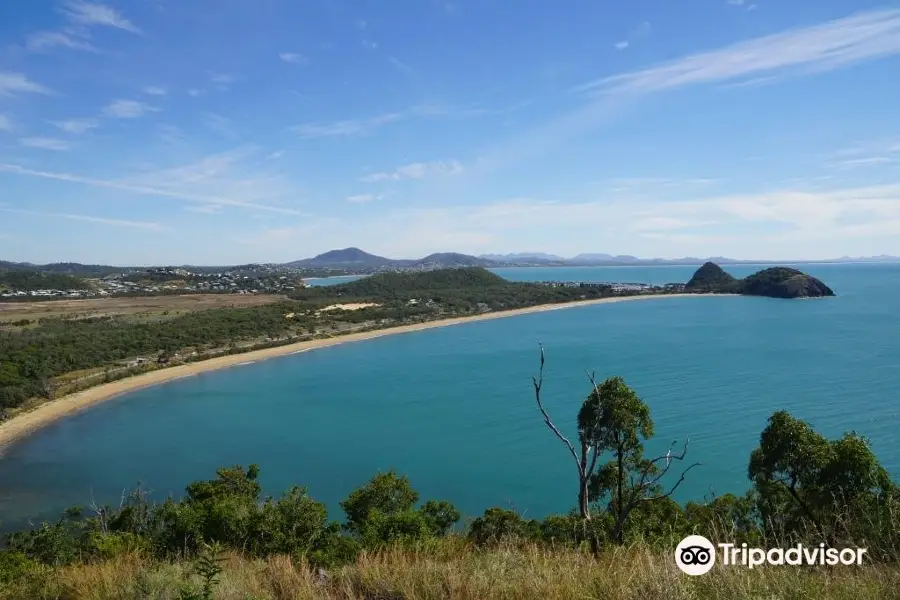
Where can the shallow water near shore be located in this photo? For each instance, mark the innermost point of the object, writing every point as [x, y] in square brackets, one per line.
[454, 409]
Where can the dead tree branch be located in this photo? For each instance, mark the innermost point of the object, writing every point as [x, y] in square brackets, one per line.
[648, 480]
[538, 385]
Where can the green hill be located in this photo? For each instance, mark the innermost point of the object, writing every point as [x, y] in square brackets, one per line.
[784, 282]
[26, 281]
[774, 282]
[710, 276]
[394, 284]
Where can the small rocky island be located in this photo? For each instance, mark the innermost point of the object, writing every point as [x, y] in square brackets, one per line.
[774, 282]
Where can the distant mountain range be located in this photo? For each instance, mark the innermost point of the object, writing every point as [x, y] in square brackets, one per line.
[350, 258]
[356, 260]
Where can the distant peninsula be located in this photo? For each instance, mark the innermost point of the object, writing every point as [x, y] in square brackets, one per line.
[774, 282]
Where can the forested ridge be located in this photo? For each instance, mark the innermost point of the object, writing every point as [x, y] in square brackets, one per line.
[26, 281]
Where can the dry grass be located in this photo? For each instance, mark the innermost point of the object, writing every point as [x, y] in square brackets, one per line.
[460, 572]
[148, 306]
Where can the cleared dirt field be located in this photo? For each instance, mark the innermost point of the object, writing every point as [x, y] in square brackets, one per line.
[150, 306]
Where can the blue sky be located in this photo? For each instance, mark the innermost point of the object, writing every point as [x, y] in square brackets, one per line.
[165, 131]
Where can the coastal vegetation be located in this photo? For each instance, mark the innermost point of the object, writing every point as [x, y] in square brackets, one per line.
[225, 539]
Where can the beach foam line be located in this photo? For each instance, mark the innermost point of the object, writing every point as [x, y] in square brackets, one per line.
[28, 422]
[182, 376]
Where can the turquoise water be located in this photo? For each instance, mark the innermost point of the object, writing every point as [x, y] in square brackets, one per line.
[320, 281]
[454, 409]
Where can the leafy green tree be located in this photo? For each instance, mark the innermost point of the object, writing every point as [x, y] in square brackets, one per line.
[231, 481]
[440, 515]
[614, 419]
[383, 511]
[730, 517]
[498, 525]
[805, 481]
[294, 524]
[386, 493]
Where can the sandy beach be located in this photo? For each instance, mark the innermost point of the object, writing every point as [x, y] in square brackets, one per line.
[25, 423]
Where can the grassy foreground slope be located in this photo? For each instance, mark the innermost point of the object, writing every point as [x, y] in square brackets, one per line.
[454, 569]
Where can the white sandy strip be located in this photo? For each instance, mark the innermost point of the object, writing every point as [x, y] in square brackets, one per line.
[25, 423]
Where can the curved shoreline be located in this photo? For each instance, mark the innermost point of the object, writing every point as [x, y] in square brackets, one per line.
[26, 423]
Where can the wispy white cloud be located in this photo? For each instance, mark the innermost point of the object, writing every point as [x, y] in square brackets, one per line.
[223, 78]
[417, 171]
[5, 123]
[868, 153]
[42, 41]
[82, 16]
[77, 126]
[222, 81]
[361, 24]
[369, 44]
[16, 83]
[172, 134]
[753, 83]
[351, 127]
[206, 182]
[148, 225]
[293, 57]
[127, 109]
[232, 178]
[742, 4]
[361, 198]
[641, 31]
[839, 43]
[194, 92]
[92, 13]
[45, 143]
[219, 124]
[155, 90]
[868, 161]
[655, 185]
[206, 209]
[402, 66]
[765, 225]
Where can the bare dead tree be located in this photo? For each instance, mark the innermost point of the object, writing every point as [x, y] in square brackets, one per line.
[585, 460]
[101, 515]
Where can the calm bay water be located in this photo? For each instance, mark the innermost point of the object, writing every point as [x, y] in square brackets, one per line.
[320, 281]
[454, 409]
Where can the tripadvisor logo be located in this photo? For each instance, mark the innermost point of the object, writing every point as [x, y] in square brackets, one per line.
[696, 555]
